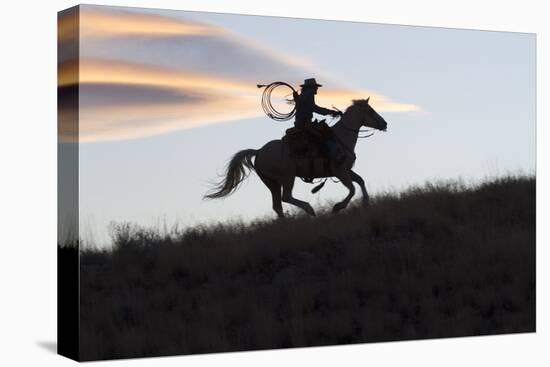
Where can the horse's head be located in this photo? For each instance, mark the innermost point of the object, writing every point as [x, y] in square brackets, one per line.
[367, 115]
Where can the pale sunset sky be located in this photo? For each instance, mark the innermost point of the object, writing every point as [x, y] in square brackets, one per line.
[167, 97]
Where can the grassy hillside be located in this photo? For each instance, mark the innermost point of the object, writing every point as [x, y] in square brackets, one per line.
[436, 261]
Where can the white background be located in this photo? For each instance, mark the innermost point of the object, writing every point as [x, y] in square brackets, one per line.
[28, 184]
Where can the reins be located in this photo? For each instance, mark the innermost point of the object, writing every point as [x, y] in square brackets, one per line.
[359, 131]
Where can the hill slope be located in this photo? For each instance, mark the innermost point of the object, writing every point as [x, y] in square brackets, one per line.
[436, 261]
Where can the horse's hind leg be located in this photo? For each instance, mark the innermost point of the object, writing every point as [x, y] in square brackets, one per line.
[288, 198]
[356, 178]
[275, 189]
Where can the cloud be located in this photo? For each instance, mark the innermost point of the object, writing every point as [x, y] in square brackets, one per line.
[98, 95]
[143, 74]
[123, 101]
[123, 36]
[105, 22]
[341, 98]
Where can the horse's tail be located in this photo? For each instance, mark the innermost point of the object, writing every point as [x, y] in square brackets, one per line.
[237, 171]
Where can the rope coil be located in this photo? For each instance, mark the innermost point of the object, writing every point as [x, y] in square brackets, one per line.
[268, 107]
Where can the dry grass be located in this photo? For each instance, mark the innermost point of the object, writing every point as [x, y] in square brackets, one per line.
[436, 261]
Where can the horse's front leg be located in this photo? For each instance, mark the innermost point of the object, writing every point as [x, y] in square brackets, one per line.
[345, 178]
[356, 178]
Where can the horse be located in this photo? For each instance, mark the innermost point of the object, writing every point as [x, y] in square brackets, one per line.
[277, 169]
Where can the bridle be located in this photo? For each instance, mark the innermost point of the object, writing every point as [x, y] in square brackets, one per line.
[358, 131]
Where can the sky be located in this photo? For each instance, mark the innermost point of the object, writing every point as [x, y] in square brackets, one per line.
[167, 97]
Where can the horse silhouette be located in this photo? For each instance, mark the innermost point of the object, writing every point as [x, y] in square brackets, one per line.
[277, 168]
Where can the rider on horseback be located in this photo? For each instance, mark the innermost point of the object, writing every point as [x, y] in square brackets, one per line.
[305, 106]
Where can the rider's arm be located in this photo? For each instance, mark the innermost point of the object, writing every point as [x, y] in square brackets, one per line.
[322, 111]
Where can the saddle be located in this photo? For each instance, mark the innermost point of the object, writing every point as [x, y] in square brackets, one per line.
[306, 149]
[307, 142]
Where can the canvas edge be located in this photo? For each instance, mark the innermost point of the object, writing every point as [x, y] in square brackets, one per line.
[68, 284]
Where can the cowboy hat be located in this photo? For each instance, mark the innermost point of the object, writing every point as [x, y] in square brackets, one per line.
[311, 82]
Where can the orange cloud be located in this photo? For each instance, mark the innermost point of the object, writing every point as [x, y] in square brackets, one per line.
[67, 26]
[122, 122]
[112, 23]
[217, 100]
[342, 98]
[127, 91]
[103, 71]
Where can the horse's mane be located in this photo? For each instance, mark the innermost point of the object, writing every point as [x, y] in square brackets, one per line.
[357, 102]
